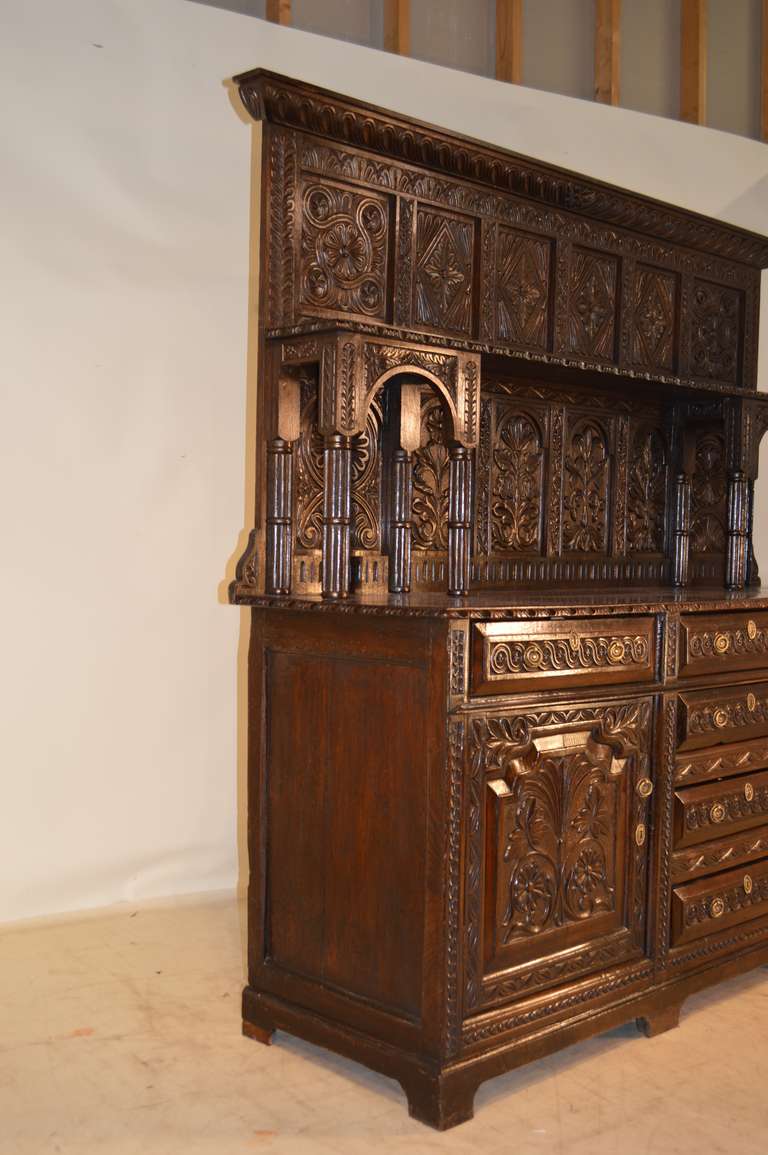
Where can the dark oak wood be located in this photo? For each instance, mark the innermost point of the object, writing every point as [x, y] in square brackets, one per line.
[508, 673]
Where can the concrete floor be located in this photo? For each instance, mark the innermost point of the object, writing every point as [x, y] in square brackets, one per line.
[120, 1034]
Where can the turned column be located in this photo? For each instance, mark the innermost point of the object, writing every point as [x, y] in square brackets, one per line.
[337, 455]
[407, 418]
[682, 530]
[279, 525]
[738, 531]
[459, 520]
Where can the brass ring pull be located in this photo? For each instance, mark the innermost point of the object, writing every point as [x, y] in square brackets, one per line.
[717, 813]
[645, 788]
[717, 908]
[722, 643]
[747, 884]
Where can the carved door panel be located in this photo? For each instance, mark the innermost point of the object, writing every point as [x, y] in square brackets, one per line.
[557, 862]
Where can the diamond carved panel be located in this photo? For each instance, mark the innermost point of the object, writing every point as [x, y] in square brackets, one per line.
[344, 240]
[444, 264]
[715, 325]
[592, 304]
[653, 327]
[522, 289]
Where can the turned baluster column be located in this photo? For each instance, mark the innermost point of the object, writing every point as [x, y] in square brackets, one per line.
[682, 530]
[459, 520]
[279, 536]
[408, 420]
[337, 455]
[738, 531]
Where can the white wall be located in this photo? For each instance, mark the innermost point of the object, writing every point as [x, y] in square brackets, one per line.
[125, 204]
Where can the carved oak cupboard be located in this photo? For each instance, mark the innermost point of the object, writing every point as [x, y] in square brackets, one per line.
[508, 674]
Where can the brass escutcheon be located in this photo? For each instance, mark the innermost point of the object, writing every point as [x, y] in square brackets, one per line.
[751, 629]
[751, 702]
[574, 642]
[720, 717]
[747, 884]
[640, 833]
[645, 788]
[717, 813]
[749, 792]
[717, 907]
[722, 642]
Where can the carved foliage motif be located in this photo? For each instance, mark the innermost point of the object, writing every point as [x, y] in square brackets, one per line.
[366, 478]
[517, 473]
[708, 495]
[561, 818]
[344, 250]
[715, 322]
[585, 495]
[522, 289]
[592, 304]
[646, 492]
[444, 260]
[431, 478]
[653, 329]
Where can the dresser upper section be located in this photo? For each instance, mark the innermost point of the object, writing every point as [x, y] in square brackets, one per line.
[380, 223]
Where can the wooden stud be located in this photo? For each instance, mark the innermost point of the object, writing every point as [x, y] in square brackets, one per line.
[764, 74]
[279, 11]
[410, 417]
[509, 40]
[693, 61]
[607, 50]
[397, 26]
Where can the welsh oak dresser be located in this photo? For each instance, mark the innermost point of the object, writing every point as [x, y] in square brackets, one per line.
[508, 672]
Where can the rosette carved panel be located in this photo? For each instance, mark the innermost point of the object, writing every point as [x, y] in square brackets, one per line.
[654, 319]
[522, 289]
[715, 332]
[592, 294]
[444, 271]
[344, 250]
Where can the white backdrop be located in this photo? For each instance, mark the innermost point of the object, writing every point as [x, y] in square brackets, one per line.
[124, 195]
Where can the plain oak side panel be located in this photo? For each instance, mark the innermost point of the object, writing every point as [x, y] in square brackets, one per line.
[376, 831]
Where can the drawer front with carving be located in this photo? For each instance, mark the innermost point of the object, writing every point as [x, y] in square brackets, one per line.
[725, 714]
[719, 902]
[717, 809]
[720, 643]
[556, 861]
[515, 656]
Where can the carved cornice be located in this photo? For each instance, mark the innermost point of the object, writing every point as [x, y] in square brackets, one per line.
[297, 105]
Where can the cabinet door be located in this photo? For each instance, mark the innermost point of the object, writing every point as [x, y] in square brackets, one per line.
[557, 855]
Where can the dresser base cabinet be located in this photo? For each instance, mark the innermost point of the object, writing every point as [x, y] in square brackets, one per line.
[508, 673]
[445, 886]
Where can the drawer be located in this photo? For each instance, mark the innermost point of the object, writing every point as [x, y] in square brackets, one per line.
[724, 714]
[514, 656]
[718, 902]
[717, 809]
[719, 643]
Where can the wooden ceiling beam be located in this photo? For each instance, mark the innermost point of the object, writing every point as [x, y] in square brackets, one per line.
[509, 41]
[607, 50]
[397, 26]
[279, 11]
[693, 61]
[764, 74]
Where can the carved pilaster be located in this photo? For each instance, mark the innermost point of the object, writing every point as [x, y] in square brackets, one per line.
[459, 521]
[337, 454]
[682, 530]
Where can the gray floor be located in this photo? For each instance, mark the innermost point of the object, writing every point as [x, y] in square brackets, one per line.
[120, 1034]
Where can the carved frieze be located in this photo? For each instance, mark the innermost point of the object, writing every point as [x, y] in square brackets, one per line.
[715, 332]
[522, 289]
[654, 311]
[592, 289]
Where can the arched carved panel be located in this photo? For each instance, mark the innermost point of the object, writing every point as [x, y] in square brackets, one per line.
[708, 495]
[646, 492]
[585, 489]
[431, 477]
[517, 481]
